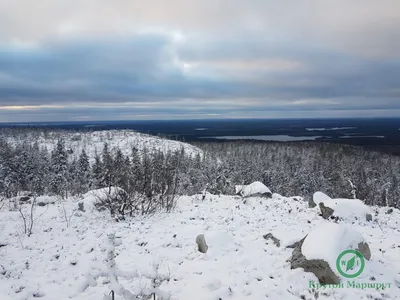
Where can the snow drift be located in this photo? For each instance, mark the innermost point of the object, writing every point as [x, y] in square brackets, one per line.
[94, 254]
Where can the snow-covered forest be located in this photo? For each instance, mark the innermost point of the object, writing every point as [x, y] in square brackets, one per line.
[72, 163]
[118, 215]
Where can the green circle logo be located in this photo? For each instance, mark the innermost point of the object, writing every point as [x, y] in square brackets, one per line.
[350, 263]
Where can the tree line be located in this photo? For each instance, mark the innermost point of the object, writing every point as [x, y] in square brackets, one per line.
[152, 179]
[149, 177]
[302, 168]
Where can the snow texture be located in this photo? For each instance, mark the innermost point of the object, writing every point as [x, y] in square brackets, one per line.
[158, 254]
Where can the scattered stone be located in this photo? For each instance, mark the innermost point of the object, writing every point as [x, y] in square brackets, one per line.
[81, 206]
[201, 243]
[311, 203]
[368, 217]
[397, 280]
[24, 199]
[364, 249]
[42, 204]
[389, 211]
[269, 236]
[38, 294]
[325, 211]
[73, 262]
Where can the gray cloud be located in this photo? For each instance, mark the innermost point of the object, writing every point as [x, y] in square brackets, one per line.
[125, 59]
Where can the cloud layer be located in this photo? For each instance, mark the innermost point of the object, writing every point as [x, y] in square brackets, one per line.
[95, 60]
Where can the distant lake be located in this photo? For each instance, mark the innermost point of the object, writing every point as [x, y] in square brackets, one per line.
[382, 133]
[275, 138]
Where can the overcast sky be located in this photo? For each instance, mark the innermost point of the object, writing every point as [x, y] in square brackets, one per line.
[71, 60]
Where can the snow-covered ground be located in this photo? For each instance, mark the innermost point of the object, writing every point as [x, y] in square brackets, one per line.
[95, 254]
[94, 141]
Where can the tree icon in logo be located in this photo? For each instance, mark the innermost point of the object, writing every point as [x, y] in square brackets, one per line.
[350, 263]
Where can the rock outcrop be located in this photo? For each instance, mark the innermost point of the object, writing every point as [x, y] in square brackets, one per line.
[319, 267]
[326, 212]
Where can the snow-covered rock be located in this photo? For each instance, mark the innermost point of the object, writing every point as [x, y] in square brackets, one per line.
[253, 190]
[318, 251]
[238, 188]
[349, 209]
[328, 240]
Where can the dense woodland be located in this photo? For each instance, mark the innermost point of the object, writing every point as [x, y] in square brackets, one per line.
[155, 177]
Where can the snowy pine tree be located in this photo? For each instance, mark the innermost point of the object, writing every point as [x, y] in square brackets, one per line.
[83, 172]
[59, 169]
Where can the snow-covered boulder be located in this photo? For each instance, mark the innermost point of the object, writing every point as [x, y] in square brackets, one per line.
[317, 252]
[256, 189]
[320, 197]
[347, 209]
[238, 188]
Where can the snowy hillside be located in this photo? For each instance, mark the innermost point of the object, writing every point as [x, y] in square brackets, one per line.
[94, 141]
[94, 255]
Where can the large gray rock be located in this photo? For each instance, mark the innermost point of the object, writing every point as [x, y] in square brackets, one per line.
[319, 267]
[201, 243]
[269, 236]
[326, 212]
[368, 217]
[311, 203]
[364, 249]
